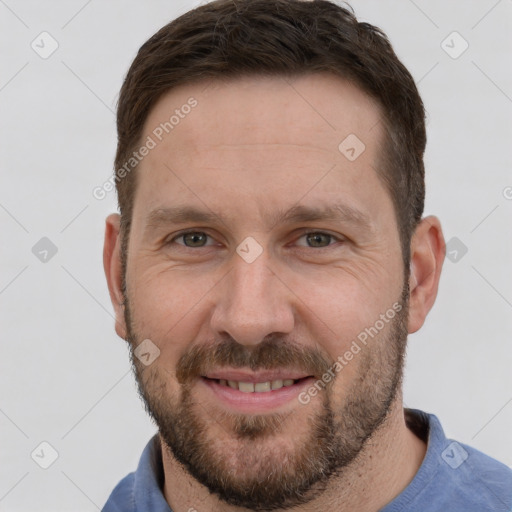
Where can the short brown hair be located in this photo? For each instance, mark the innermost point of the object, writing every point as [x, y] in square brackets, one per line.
[234, 38]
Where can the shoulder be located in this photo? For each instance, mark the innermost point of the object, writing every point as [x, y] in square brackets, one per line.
[453, 475]
[484, 479]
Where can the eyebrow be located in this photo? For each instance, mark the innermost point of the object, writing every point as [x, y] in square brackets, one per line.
[337, 212]
[178, 215]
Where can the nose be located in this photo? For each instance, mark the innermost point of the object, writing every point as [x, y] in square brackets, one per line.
[252, 302]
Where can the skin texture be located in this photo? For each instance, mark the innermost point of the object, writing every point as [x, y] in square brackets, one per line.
[249, 151]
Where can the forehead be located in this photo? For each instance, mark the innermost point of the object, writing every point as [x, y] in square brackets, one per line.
[314, 110]
[269, 140]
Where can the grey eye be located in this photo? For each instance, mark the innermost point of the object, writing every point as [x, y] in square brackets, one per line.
[318, 239]
[194, 239]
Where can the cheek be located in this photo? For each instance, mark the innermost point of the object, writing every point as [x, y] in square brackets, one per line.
[347, 310]
[345, 300]
[166, 307]
[366, 362]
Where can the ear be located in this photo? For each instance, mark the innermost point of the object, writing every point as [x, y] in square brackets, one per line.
[112, 266]
[427, 256]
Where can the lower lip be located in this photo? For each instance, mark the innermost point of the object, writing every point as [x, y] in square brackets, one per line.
[256, 402]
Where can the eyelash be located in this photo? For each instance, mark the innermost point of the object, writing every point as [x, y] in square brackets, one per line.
[184, 233]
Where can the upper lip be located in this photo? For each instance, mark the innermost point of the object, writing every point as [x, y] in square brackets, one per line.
[260, 376]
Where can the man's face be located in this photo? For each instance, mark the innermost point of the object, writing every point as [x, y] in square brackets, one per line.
[263, 295]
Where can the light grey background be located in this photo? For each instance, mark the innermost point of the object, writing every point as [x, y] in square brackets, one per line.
[64, 374]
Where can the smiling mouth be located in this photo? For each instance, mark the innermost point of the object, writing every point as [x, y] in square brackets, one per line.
[256, 387]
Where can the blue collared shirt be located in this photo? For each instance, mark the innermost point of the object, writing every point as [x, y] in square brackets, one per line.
[452, 478]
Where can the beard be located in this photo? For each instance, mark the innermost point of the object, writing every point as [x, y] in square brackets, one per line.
[255, 461]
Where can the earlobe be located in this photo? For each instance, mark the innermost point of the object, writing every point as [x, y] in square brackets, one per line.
[427, 257]
[113, 270]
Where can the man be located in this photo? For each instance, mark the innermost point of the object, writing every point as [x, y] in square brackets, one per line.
[268, 262]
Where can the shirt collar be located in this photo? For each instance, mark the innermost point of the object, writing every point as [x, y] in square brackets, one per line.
[149, 479]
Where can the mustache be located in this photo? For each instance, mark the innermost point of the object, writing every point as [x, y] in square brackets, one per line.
[271, 354]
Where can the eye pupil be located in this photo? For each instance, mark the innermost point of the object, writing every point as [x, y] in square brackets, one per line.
[195, 239]
[316, 239]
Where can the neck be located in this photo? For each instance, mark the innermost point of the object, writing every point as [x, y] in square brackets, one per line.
[383, 469]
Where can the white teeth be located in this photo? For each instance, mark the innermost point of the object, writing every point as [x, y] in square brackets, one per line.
[246, 387]
[277, 384]
[258, 387]
[262, 386]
